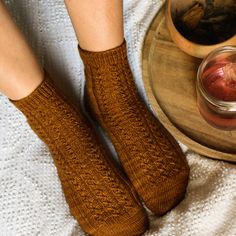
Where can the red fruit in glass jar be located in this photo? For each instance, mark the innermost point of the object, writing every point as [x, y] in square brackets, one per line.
[220, 81]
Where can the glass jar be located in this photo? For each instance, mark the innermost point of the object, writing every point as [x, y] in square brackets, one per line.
[216, 88]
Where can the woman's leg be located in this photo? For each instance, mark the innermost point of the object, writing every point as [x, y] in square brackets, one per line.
[149, 154]
[99, 197]
[98, 24]
[20, 72]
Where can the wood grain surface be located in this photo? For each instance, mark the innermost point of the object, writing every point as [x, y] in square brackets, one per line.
[169, 78]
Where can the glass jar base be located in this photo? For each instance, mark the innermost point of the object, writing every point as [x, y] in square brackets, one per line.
[216, 120]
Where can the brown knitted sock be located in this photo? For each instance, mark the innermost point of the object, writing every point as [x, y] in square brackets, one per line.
[98, 196]
[150, 156]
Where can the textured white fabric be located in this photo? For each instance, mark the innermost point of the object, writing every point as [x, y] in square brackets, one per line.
[31, 199]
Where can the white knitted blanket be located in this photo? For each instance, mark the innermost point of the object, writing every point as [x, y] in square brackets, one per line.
[31, 199]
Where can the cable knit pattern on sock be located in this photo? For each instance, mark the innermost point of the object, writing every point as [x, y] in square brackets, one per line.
[100, 199]
[150, 156]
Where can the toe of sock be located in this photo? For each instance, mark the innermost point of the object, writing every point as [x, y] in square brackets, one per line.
[135, 225]
[168, 194]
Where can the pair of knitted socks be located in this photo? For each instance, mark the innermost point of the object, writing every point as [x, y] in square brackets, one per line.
[99, 197]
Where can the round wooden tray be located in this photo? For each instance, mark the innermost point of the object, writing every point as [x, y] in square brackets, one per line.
[169, 78]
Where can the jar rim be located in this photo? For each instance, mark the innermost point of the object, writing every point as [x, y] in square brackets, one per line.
[225, 106]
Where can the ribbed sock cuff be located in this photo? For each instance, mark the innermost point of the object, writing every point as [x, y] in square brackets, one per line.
[38, 98]
[111, 56]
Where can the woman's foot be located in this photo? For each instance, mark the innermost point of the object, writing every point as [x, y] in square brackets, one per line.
[150, 156]
[99, 197]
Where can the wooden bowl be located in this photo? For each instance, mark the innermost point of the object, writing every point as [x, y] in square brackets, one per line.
[191, 48]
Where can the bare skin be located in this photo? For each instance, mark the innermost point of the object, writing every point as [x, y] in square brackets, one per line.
[20, 73]
[98, 24]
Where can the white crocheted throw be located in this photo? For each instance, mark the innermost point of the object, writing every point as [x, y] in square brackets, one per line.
[31, 199]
